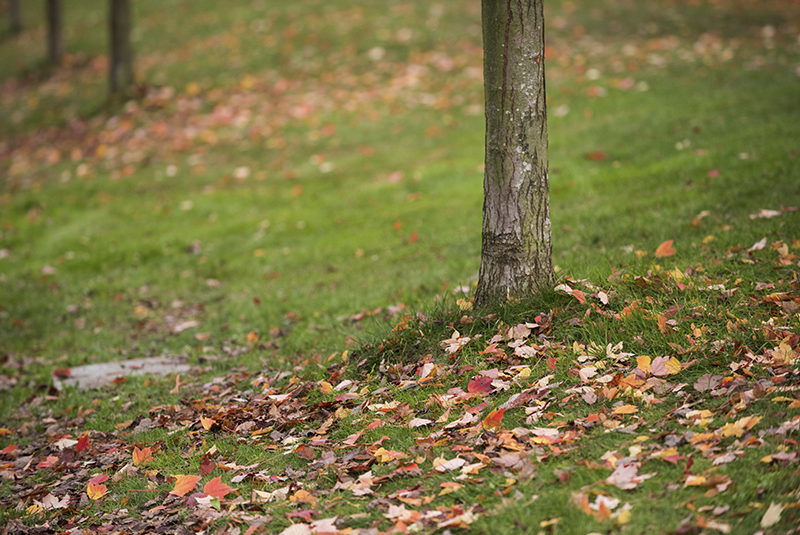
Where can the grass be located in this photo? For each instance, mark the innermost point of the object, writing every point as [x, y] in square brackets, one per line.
[287, 175]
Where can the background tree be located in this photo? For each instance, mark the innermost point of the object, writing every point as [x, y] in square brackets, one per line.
[516, 254]
[15, 16]
[121, 64]
[55, 40]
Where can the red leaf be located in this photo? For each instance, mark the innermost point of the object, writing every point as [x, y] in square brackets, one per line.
[99, 478]
[9, 449]
[480, 385]
[207, 466]
[83, 443]
[216, 488]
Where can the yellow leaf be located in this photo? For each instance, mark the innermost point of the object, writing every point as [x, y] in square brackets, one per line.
[325, 387]
[207, 423]
[624, 517]
[626, 409]
[643, 363]
[695, 481]
[673, 366]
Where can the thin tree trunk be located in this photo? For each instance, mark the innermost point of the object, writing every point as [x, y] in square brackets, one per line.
[15, 15]
[121, 71]
[55, 40]
[516, 255]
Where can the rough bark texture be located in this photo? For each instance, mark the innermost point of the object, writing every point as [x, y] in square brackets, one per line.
[15, 15]
[516, 256]
[121, 64]
[55, 41]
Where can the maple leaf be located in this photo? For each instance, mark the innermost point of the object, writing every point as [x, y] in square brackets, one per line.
[494, 421]
[383, 455]
[207, 423]
[303, 496]
[216, 488]
[51, 502]
[626, 476]
[480, 385]
[184, 484]
[665, 249]
[83, 443]
[325, 526]
[419, 422]
[95, 492]
[142, 456]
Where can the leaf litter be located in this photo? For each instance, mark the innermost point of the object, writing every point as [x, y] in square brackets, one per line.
[470, 422]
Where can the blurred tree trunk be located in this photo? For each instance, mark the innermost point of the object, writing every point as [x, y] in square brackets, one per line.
[55, 40]
[121, 63]
[15, 15]
[516, 255]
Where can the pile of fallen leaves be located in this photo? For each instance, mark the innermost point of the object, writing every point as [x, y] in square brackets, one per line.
[483, 406]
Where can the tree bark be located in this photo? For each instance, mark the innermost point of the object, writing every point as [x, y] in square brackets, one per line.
[55, 40]
[15, 15]
[121, 63]
[516, 255]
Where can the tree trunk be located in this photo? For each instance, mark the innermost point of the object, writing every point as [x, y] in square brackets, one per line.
[15, 15]
[121, 64]
[55, 41]
[516, 255]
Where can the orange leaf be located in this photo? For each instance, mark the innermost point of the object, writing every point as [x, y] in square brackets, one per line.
[303, 496]
[216, 488]
[662, 323]
[96, 492]
[184, 484]
[325, 387]
[9, 449]
[252, 336]
[494, 421]
[665, 249]
[142, 456]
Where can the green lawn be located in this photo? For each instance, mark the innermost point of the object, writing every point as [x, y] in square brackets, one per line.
[300, 176]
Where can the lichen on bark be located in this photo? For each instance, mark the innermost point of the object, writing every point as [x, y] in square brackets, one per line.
[516, 255]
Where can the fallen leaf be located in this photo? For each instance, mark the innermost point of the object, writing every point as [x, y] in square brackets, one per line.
[303, 496]
[494, 421]
[95, 492]
[772, 516]
[216, 488]
[665, 249]
[142, 456]
[184, 484]
[626, 409]
[440, 464]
